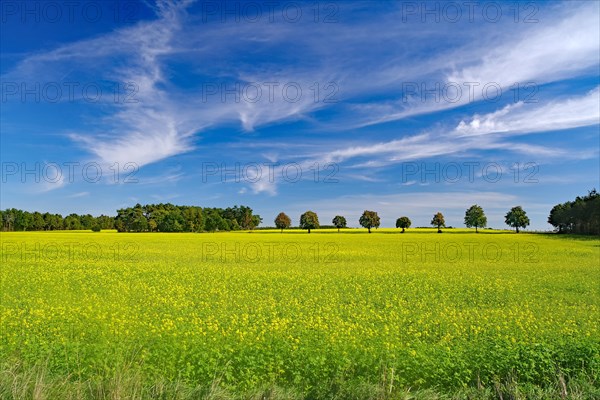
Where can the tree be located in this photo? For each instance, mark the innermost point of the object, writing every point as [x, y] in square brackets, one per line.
[23, 220]
[234, 225]
[256, 221]
[136, 219]
[438, 220]
[309, 220]
[37, 223]
[247, 222]
[172, 222]
[72, 222]
[7, 220]
[87, 221]
[152, 225]
[213, 221]
[369, 219]
[516, 218]
[155, 219]
[192, 217]
[339, 222]
[475, 217]
[282, 221]
[403, 222]
[559, 217]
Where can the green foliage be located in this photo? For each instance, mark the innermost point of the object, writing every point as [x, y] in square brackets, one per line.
[475, 217]
[339, 222]
[438, 221]
[516, 218]
[579, 216]
[403, 222]
[369, 219]
[282, 221]
[172, 218]
[309, 220]
[148, 218]
[19, 220]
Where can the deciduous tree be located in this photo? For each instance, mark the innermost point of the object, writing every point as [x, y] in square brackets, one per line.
[309, 220]
[516, 218]
[475, 217]
[369, 219]
[438, 220]
[403, 222]
[339, 222]
[282, 221]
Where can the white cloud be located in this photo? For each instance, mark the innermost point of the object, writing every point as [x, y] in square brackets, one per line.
[528, 118]
[49, 184]
[549, 52]
[476, 134]
[167, 119]
[265, 185]
[79, 194]
[560, 47]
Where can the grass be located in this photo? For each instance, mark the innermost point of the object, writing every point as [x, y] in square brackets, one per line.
[269, 315]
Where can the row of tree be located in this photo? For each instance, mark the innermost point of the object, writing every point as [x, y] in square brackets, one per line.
[474, 218]
[579, 216]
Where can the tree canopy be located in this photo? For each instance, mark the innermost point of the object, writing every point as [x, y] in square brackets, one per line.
[309, 220]
[369, 219]
[339, 222]
[403, 222]
[475, 217]
[282, 221]
[516, 218]
[438, 221]
[579, 216]
[148, 218]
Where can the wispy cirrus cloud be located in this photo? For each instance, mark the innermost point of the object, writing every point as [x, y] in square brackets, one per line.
[477, 134]
[522, 118]
[544, 53]
[483, 132]
[367, 58]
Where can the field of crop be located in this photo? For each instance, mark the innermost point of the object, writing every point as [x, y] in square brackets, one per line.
[298, 315]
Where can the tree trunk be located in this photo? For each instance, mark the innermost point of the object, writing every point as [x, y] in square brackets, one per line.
[402, 230]
[308, 230]
[476, 229]
[338, 230]
[517, 229]
[369, 230]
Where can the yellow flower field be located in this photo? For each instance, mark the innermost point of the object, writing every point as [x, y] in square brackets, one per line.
[308, 313]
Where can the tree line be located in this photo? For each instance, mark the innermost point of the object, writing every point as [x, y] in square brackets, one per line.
[579, 216]
[474, 218]
[139, 218]
[172, 218]
[13, 219]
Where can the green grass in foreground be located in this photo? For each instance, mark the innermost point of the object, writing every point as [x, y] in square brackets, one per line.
[326, 315]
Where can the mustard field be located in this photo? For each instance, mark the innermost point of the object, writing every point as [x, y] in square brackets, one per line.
[266, 314]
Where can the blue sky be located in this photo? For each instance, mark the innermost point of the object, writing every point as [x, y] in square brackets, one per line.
[405, 108]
